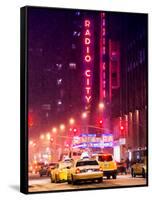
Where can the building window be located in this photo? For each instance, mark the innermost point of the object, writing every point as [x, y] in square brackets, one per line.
[72, 65]
[77, 13]
[59, 66]
[73, 46]
[46, 107]
[59, 81]
[74, 33]
[79, 33]
[59, 102]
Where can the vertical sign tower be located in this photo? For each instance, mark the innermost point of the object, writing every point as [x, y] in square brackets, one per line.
[88, 61]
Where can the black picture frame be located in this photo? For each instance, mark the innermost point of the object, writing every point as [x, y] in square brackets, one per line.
[24, 75]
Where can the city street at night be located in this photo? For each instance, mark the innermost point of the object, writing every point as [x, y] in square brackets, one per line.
[87, 99]
[37, 184]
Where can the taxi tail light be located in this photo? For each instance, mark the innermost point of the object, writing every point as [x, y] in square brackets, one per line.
[77, 171]
[115, 165]
[100, 169]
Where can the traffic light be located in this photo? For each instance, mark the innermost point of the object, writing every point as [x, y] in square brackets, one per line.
[75, 130]
[121, 128]
[100, 122]
[70, 129]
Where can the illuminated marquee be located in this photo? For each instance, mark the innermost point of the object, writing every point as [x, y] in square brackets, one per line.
[88, 60]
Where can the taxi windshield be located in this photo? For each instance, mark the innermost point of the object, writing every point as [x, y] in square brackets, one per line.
[64, 165]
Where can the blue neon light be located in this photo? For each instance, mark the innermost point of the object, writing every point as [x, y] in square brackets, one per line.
[94, 134]
[93, 145]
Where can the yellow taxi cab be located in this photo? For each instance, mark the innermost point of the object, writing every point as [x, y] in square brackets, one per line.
[139, 168]
[59, 173]
[85, 169]
[108, 164]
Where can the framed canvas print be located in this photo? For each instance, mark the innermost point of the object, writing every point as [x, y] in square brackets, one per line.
[84, 99]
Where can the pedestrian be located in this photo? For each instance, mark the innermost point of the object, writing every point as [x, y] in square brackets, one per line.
[127, 164]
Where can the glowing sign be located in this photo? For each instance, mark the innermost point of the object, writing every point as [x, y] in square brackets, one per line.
[88, 59]
[107, 138]
[92, 140]
[103, 52]
[93, 145]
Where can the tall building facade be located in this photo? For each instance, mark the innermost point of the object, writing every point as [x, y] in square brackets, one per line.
[134, 83]
[129, 98]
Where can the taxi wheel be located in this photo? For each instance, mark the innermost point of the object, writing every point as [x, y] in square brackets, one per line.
[56, 179]
[52, 181]
[73, 181]
[100, 180]
[69, 181]
[114, 176]
[133, 173]
[108, 177]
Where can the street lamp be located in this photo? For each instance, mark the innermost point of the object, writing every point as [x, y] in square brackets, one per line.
[71, 121]
[42, 136]
[48, 137]
[84, 115]
[101, 105]
[54, 129]
[62, 127]
[30, 142]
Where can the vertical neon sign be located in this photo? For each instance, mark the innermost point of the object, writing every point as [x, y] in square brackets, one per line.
[88, 61]
[102, 58]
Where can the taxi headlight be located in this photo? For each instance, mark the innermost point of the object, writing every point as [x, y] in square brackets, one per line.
[100, 169]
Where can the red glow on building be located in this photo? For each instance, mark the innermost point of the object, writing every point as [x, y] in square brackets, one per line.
[114, 66]
[30, 121]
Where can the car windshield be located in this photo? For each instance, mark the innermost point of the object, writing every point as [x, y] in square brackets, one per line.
[64, 165]
[88, 162]
[76, 153]
[103, 158]
[52, 164]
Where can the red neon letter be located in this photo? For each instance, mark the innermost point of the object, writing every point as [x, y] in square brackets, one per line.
[87, 41]
[87, 58]
[87, 73]
[88, 98]
[87, 32]
[88, 81]
[88, 50]
[87, 23]
[88, 89]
